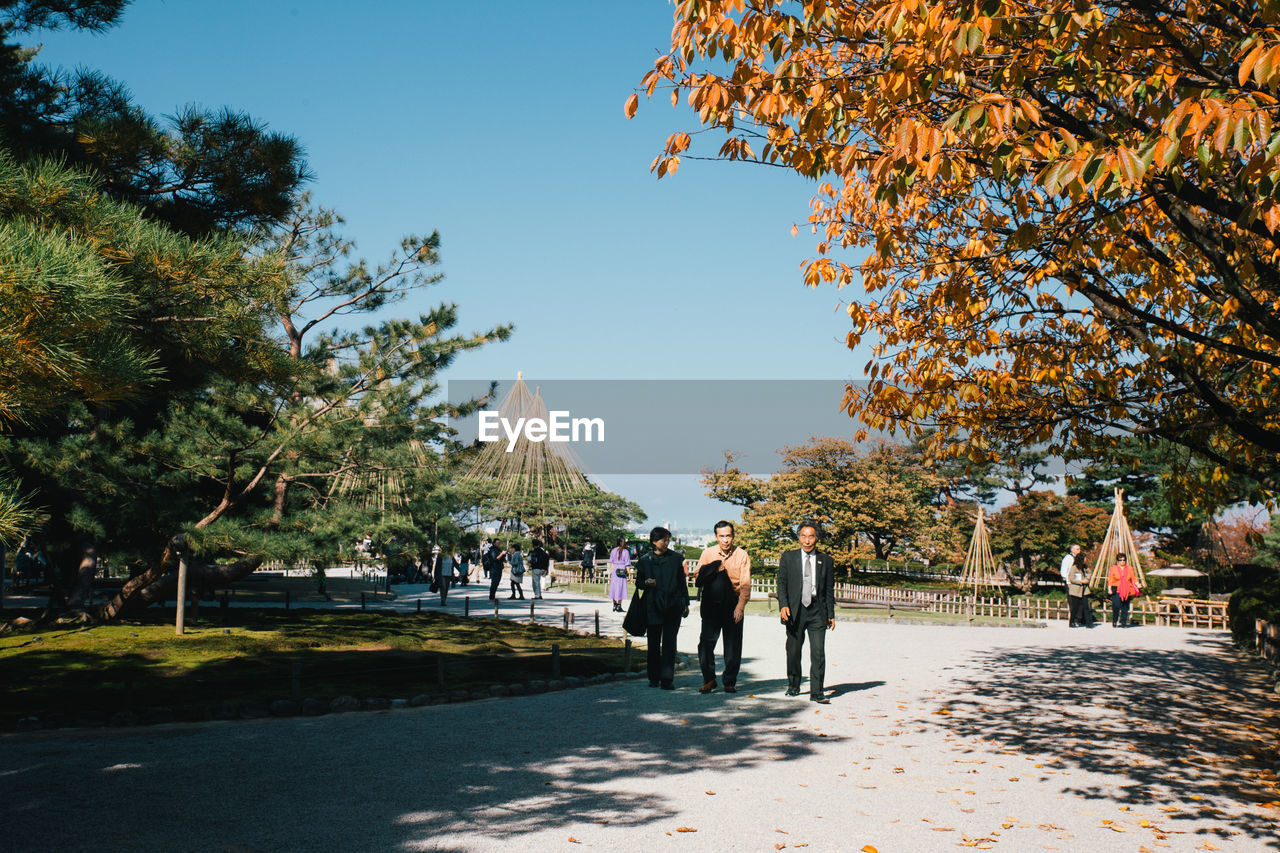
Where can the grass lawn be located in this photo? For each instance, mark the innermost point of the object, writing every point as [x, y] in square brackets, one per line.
[108, 668]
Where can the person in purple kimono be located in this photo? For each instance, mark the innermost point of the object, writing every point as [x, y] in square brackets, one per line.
[619, 569]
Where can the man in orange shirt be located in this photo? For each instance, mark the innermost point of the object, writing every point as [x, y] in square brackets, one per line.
[724, 581]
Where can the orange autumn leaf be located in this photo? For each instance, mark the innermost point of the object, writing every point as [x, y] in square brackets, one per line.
[1024, 272]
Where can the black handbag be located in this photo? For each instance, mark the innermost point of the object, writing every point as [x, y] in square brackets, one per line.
[636, 622]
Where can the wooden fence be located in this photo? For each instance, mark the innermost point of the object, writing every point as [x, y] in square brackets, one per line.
[1176, 612]
[1189, 612]
[1267, 639]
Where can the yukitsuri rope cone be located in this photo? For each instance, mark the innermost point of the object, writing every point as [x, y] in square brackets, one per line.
[536, 479]
[382, 491]
[979, 569]
[1119, 540]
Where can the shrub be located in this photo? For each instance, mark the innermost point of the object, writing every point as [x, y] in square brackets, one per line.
[1258, 600]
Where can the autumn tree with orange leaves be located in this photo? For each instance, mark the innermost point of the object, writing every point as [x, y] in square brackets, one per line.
[1064, 214]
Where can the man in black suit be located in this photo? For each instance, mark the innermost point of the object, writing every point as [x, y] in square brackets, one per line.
[807, 596]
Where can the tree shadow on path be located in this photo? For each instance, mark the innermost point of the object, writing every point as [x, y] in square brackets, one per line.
[609, 771]
[477, 775]
[1189, 728]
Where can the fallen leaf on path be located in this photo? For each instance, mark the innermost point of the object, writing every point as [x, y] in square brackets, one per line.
[573, 840]
[867, 848]
[779, 846]
[783, 831]
[685, 829]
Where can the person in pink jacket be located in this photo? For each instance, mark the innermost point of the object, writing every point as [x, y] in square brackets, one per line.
[1123, 586]
[619, 569]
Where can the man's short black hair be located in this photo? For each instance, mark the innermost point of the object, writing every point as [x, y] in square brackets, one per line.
[808, 523]
[723, 523]
[659, 533]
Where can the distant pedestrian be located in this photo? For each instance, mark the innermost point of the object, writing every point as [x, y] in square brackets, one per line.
[444, 573]
[463, 560]
[1080, 577]
[588, 563]
[516, 559]
[485, 546]
[538, 563]
[1124, 587]
[619, 570]
[1067, 569]
[660, 573]
[493, 568]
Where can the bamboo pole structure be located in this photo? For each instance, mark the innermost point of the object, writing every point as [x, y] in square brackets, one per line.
[979, 568]
[1119, 540]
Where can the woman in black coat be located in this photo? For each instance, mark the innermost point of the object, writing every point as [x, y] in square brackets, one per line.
[660, 574]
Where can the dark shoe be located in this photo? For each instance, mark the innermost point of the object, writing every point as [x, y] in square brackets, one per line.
[731, 688]
[793, 691]
[708, 687]
[821, 700]
[667, 685]
[653, 684]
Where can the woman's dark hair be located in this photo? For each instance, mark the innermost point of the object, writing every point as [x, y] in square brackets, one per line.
[723, 523]
[537, 543]
[659, 533]
[1080, 559]
[1121, 556]
[622, 541]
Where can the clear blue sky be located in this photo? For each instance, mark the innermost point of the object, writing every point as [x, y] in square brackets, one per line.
[501, 126]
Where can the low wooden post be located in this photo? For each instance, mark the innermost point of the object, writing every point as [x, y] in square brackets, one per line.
[626, 655]
[555, 660]
[288, 600]
[566, 619]
[466, 606]
[531, 604]
[495, 608]
[419, 605]
[362, 605]
[597, 623]
[180, 623]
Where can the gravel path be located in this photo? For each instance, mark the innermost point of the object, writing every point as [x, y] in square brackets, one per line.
[937, 738]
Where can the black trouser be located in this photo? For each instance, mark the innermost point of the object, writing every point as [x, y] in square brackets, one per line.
[1073, 610]
[1119, 610]
[812, 621]
[717, 617]
[495, 580]
[662, 650]
[1081, 610]
[443, 580]
[517, 585]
